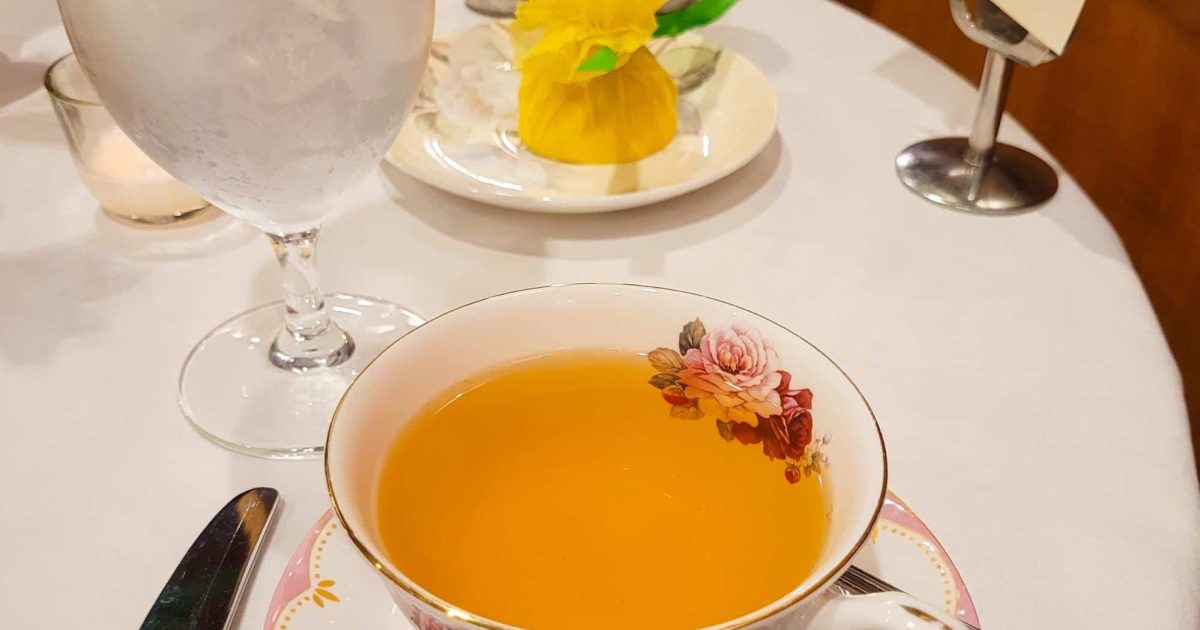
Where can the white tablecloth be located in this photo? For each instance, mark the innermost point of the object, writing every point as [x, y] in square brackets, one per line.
[1032, 410]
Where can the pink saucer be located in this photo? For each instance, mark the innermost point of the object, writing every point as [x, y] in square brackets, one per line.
[326, 585]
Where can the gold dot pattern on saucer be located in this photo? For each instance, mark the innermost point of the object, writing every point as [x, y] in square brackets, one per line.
[930, 551]
[321, 591]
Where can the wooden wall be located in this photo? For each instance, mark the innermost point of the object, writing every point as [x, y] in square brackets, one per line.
[1121, 112]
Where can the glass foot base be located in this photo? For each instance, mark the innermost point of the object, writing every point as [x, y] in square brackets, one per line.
[233, 395]
[1015, 182]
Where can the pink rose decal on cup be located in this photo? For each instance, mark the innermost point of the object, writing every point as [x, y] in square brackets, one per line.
[733, 374]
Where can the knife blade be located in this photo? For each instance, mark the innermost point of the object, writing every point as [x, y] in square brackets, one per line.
[204, 590]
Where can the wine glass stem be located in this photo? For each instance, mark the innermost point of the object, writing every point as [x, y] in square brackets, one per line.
[309, 337]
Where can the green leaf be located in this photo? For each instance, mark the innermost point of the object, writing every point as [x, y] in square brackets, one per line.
[701, 13]
[725, 428]
[603, 60]
[663, 380]
[691, 335]
[665, 360]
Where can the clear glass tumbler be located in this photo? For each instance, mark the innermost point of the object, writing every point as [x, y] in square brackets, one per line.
[129, 185]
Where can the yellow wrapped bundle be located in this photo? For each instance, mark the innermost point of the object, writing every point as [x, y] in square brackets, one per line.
[590, 90]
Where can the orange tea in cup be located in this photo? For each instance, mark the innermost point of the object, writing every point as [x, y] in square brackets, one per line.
[576, 489]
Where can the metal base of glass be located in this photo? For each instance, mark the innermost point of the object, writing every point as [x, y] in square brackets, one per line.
[233, 394]
[1014, 182]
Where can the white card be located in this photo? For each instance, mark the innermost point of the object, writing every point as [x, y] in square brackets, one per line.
[1051, 21]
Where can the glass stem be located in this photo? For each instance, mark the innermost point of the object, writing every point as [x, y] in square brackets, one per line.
[309, 338]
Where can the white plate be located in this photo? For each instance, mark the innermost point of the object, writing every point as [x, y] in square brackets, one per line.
[461, 135]
[328, 586]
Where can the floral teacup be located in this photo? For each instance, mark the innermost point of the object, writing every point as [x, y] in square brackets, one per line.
[713, 359]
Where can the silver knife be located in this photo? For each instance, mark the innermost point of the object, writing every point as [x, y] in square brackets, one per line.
[204, 590]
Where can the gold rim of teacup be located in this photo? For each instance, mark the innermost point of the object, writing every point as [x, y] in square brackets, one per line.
[467, 617]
